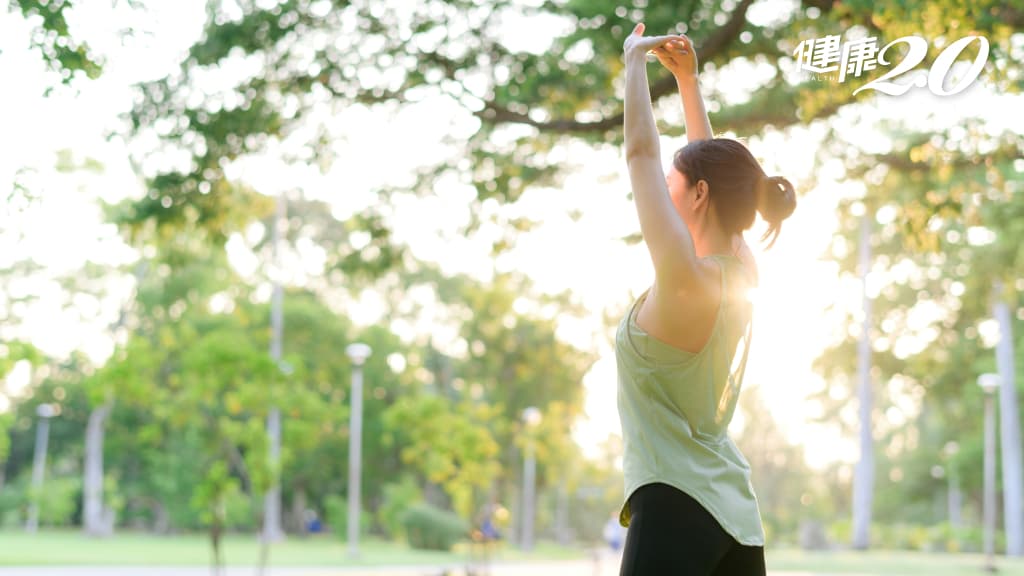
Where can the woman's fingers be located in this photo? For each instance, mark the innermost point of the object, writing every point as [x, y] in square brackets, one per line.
[681, 45]
[665, 45]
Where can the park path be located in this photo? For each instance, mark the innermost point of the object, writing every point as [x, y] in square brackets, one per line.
[608, 566]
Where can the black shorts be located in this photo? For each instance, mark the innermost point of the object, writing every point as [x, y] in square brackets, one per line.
[671, 534]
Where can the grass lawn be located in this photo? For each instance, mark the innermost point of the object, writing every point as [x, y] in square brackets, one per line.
[888, 563]
[72, 548]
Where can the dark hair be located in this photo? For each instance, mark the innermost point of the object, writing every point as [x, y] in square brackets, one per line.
[738, 186]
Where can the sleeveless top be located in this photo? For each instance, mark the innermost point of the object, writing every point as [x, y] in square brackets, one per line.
[675, 407]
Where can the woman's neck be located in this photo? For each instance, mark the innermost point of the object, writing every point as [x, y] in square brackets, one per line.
[718, 243]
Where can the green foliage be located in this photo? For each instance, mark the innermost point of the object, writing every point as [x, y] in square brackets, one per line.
[337, 517]
[941, 537]
[398, 497]
[6, 420]
[449, 443]
[12, 352]
[238, 512]
[57, 501]
[563, 89]
[59, 49]
[430, 528]
[928, 199]
[11, 514]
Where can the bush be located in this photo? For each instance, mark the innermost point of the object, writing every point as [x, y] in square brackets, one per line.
[398, 497]
[933, 538]
[58, 500]
[972, 539]
[840, 532]
[336, 508]
[238, 511]
[13, 505]
[430, 528]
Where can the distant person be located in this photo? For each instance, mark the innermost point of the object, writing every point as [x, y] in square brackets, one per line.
[489, 530]
[313, 523]
[614, 533]
[689, 504]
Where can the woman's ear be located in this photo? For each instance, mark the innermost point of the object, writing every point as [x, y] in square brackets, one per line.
[702, 191]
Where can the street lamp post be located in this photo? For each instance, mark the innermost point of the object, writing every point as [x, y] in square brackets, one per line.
[531, 418]
[990, 383]
[358, 353]
[44, 413]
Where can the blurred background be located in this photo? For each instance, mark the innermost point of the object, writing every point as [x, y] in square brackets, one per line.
[335, 283]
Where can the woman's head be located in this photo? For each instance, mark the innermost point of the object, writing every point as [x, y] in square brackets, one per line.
[720, 176]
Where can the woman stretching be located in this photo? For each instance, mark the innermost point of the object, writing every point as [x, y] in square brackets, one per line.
[689, 503]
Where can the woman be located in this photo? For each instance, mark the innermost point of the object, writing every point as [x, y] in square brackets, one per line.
[689, 504]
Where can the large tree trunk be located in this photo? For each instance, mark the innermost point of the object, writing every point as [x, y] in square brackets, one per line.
[272, 530]
[1013, 477]
[96, 520]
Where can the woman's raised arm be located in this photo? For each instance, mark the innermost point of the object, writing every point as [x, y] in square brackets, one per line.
[680, 57]
[668, 240]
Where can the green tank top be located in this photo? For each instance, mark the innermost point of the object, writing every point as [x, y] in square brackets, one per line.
[675, 407]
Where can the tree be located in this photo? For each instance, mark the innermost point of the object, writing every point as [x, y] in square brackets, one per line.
[935, 205]
[13, 353]
[313, 61]
[59, 48]
[526, 104]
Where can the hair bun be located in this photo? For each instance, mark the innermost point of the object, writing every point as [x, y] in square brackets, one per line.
[777, 198]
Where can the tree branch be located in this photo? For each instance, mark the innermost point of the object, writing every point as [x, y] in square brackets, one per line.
[712, 46]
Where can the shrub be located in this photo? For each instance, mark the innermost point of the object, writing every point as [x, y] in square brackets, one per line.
[58, 500]
[840, 532]
[238, 511]
[430, 528]
[398, 497]
[336, 508]
[932, 538]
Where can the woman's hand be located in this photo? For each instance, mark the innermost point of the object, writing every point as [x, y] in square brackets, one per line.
[637, 43]
[679, 57]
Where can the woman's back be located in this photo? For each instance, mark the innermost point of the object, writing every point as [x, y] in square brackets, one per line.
[675, 407]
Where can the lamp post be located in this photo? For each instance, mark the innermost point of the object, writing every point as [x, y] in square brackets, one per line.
[531, 418]
[357, 353]
[990, 383]
[44, 413]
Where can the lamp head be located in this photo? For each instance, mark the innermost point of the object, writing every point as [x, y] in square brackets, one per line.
[532, 416]
[989, 382]
[358, 352]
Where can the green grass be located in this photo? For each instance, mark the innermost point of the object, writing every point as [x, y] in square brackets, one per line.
[888, 563]
[72, 548]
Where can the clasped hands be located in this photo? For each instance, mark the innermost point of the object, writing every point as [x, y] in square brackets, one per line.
[674, 51]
